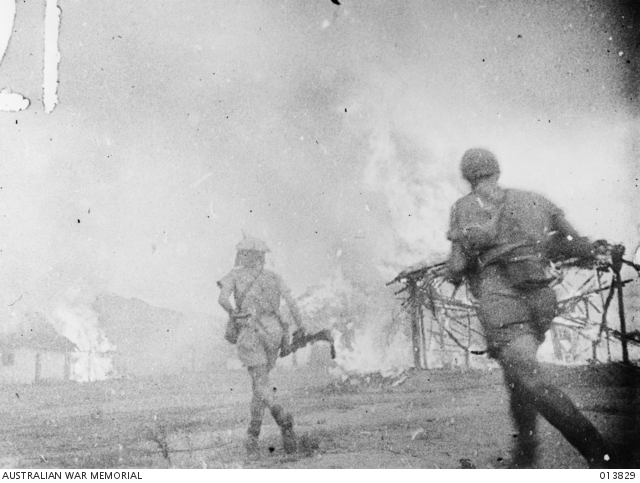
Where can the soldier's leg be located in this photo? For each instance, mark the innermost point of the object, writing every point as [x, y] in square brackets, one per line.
[260, 398]
[263, 397]
[259, 383]
[524, 417]
[518, 359]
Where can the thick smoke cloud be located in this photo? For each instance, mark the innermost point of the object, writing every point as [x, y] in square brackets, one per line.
[332, 132]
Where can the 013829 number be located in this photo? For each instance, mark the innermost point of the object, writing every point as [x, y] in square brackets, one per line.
[617, 475]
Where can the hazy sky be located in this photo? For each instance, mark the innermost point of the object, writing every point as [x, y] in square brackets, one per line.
[333, 132]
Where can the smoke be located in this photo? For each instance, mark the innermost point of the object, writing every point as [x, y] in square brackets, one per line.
[332, 132]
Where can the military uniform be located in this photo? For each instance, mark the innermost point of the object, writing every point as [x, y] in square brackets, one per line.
[261, 333]
[258, 294]
[502, 240]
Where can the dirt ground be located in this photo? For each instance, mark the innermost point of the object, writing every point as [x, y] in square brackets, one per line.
[431, 419]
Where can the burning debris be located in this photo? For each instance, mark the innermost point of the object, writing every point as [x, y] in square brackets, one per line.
[91, 361]
[370, 354]
[369, 348]
[354, 382]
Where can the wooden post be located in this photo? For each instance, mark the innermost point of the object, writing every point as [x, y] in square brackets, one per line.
[467, 354]
[616, 265]
[417, 332]
[623, 324]
[557, 348]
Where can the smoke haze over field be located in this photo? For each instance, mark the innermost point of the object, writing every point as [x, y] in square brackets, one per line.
[333, 132]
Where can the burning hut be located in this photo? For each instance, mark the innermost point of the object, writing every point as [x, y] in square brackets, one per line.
[591, 326]
[34, 352]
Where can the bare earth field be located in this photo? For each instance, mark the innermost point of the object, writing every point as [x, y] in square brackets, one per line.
[432, 419]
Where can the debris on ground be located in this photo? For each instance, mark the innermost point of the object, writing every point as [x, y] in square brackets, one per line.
[352, 382]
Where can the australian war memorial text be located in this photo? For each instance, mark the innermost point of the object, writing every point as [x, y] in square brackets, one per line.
[71, 475]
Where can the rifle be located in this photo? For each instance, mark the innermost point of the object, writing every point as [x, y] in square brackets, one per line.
[301, 339]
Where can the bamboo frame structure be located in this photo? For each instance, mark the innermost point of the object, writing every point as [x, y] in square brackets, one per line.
[445, 316]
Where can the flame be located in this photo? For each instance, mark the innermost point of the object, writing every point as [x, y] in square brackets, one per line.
[325, 304]
[91, 361]
[419, 197]
[363, 344]
[368, 355]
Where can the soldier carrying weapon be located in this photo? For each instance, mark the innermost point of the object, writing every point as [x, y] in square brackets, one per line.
[260, 332]
[502, 241]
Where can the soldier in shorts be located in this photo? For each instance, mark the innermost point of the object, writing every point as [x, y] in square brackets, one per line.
[257, 294]
[502, 241]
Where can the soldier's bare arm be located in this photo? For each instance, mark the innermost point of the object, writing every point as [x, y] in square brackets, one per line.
[226, 290]
[567, 241]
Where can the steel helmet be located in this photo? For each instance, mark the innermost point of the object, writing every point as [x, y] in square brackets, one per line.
[478, 163]
[252, 244]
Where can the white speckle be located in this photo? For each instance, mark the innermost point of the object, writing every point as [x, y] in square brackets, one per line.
[621, 53]
[366, 207]
[610, 38]
[301, 138]
[10, 101]
[606, 457]
[325, 24]
[569, 237]
[51, 55]
[339, 253]
[8, 10]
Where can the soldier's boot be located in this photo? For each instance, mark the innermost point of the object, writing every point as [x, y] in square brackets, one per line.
[251, 444]
[524, 454]
[285, 421]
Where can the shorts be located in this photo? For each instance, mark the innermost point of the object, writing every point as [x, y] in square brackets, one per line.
[506, 315]
[260, 346]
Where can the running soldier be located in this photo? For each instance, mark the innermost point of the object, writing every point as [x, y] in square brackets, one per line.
[262, 333]
[502, 241]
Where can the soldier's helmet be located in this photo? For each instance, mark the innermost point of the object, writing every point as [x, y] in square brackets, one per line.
[252, 244]
[478, 163]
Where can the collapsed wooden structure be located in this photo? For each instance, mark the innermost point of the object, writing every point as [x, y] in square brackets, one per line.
[443, 317]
